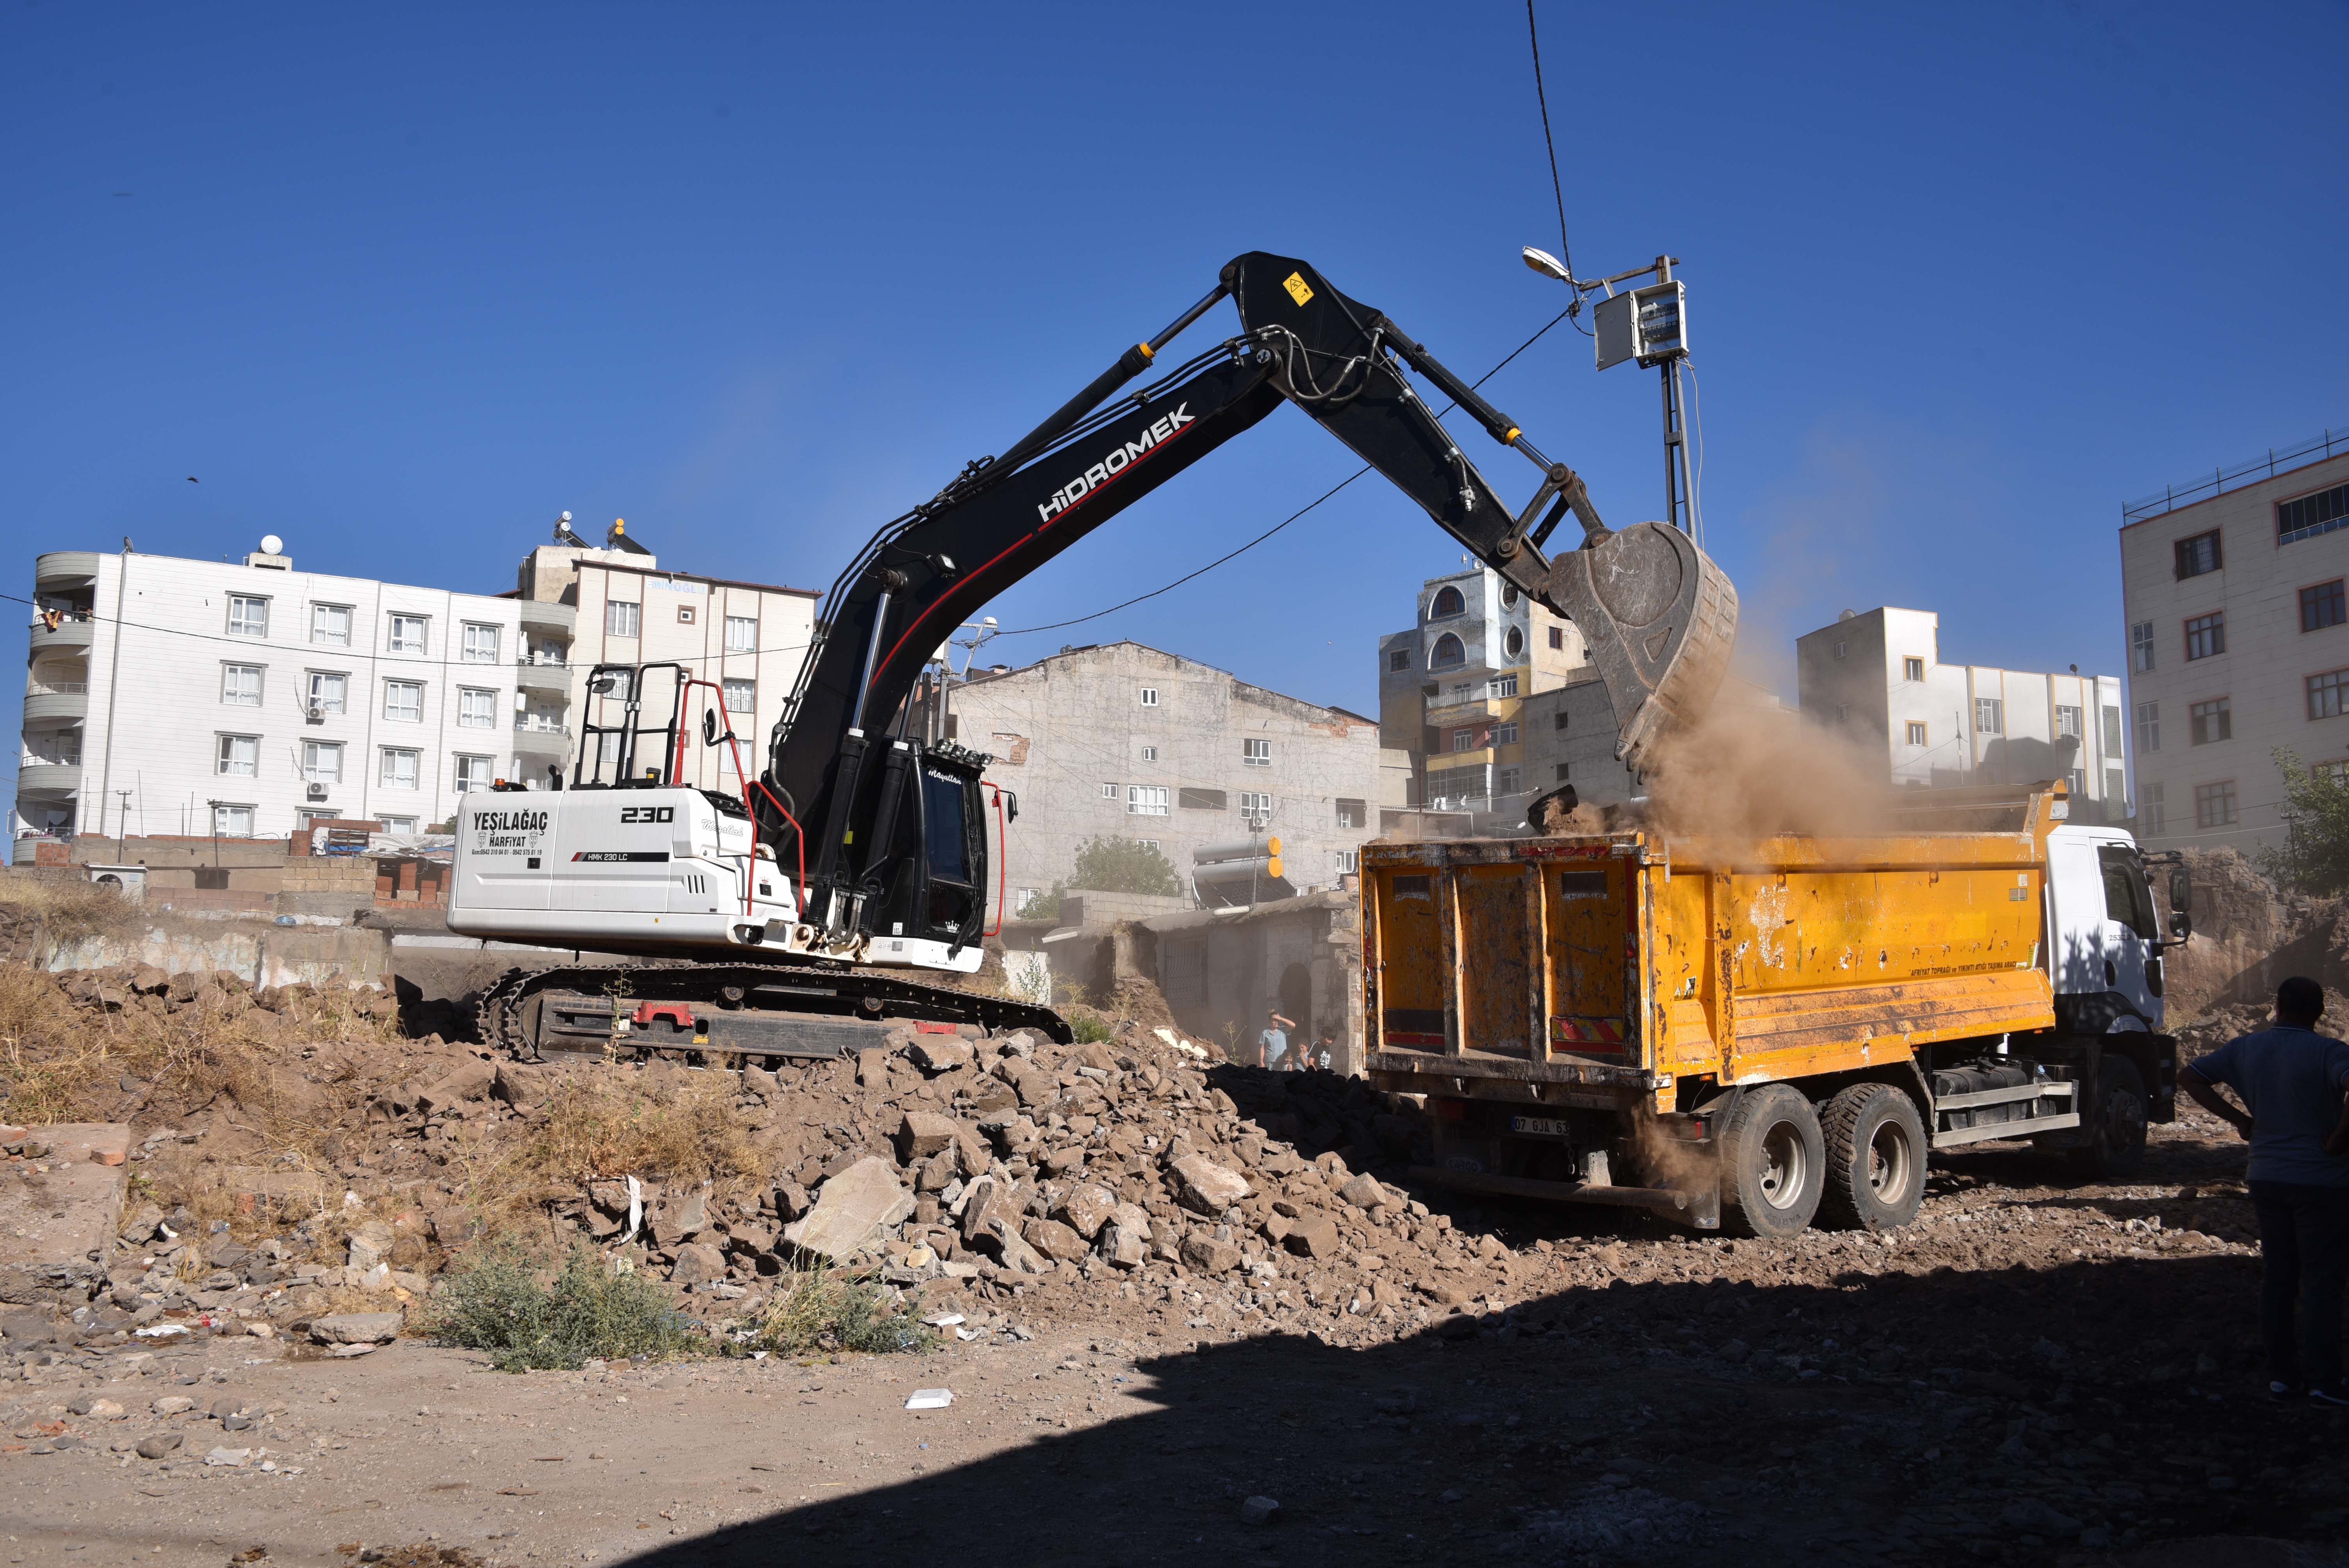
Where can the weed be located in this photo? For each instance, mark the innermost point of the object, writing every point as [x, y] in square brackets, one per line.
[823, 1309]
[497, 1299]
[67, 911]
[1087, 1026]
[600, 1129]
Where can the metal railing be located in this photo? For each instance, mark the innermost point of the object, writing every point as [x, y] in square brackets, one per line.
[2316, 448]
[56, 688]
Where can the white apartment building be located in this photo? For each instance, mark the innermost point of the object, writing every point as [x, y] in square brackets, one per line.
[180, 696]
[2238, 631]
[1879, 677]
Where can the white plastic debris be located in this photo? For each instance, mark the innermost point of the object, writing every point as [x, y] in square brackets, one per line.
[160, 1330]
[965, 1335]
[930, 1399]
[635, 1211]
[943, 1319]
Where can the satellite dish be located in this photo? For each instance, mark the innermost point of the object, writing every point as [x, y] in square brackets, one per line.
[272, 546]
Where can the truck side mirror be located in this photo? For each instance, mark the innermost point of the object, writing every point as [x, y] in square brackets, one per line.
[2181, 889]
[2181, 925]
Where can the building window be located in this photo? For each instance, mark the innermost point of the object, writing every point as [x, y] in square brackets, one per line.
[327, 689]
[398, 824]
[2067, 722]
[620, 618]
[1148, 843]
[1557, 636]
[2114, 784]
[1145, 801]
[1109, 792]
[2141, 646]
[322, 761]
[1353, 813]
[476, 708]
[1399, 659]
[1463, 740]
[1557, 719]
[2076, 782]
[1843, 712]
[2209, 721]
[1256, 753]
[398, 770]
[1449, 651]
[2325, 693]
[1915, 733]
[1149, 696]
[1150, 754]
[741, 697]
[331, 624]
[1990, 716]
[2149, 727]
[240, 685]
[1446, 604]
[2112, 730]
[1501, 686]
[1506, 734]
[2322, 606]
[472, 773]
[248, 615]
[1201, 799]
[1560, 772]
[480, 643]
[1508, 781]
[1513, 644]
[1256, 808]
[238, 756]
[2149, 806]
[2311, 514]
[408, 635]
[1350, 861]
[2206, 636]
[742, 634]
[404, 701]
[2198, 554]
[685, 614]
[2214, 804]
[1842, 648]
[1912, 669]
[233, 821]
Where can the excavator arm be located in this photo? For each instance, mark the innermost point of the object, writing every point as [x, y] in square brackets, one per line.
[1658, 616]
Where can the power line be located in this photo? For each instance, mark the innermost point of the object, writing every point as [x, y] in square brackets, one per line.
[1292, 517]
[1566, 251]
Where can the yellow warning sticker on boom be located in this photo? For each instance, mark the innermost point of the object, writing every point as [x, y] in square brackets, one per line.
[1295, 284]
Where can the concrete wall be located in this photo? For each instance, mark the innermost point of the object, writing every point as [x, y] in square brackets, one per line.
[1221, 973]
[259, 954]
[2263, 673]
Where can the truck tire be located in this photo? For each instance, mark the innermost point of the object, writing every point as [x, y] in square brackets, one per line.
[1875, 1159]
[1772, 1164]
[2115, 1120]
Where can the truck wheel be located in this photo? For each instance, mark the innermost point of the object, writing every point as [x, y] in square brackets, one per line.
[1875, 1159]
[1772, 1163]
[2114, 1122]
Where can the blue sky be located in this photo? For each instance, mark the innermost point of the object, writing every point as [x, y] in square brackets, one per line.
[400, 286]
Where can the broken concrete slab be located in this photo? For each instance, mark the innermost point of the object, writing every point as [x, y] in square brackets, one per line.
[356, 1327]
[471, 1080]
[1206, 1186]
[59, 1214]
[679, 1216]
[1209, 1255]
[1087, 1208]
[851, 1210]
[936, 1054]
[922, 1134]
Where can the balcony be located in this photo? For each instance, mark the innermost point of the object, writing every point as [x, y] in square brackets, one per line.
[60, 571]
[55, 700]
[70, 637]
[1470, 710]
[39, 777]
[546, 615]
[543, 677]
[537, 740]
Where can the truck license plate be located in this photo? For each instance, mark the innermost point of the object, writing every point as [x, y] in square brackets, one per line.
[1540, 1125]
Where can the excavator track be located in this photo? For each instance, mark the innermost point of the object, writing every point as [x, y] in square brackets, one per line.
[755, 1010]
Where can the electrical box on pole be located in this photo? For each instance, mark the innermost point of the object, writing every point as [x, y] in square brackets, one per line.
[1649, 326]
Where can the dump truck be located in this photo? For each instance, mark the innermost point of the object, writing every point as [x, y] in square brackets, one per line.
[1749, 1034]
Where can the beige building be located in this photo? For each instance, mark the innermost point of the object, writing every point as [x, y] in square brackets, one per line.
[620, 608]
[2237, 629]
[1879, 678]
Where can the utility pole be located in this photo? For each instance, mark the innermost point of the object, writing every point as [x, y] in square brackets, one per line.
[1648, 325]
[121, 827]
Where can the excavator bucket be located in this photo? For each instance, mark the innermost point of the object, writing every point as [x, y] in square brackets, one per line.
[1660, 619]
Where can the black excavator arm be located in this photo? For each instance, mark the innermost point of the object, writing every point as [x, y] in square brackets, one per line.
[1658, 616]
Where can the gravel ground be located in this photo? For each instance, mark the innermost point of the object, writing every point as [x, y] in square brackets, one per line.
[2038, 1372]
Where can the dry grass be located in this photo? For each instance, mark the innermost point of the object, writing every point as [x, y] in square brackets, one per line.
[600, 1129]
[68, 910]
[822, 1310]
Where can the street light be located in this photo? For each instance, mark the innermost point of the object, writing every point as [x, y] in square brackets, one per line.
[980, 630]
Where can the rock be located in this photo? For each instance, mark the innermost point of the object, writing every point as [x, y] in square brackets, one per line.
[235, 1458]
[989, 1199]
[472, 1081]
[610, 1198]
[149, 981]
[1087, 1208]
[941, 1170]
[1012, 1248]
[521, 1086]
[791, 1200]
[1125, 1239]
[1314, 1236]
[369, 1245]
[1363, 1191]
[758, 1080]
[161, 1443]
[922, 1134]
[1210, 1255]
[936, 1054]
[750, 1238]
[1035, 1087]
[1206, 1187]
[697, 1262]
[1054, 1240]
[1260, 1511]
[851, 1210]
[679, 1217]
[356, 1328]
[172, 1405]
[872, 1069]
[183, 987]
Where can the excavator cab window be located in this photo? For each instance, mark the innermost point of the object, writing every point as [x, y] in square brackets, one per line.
[947, 829]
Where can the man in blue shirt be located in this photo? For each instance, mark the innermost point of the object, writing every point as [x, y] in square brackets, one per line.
[1274, 1041]
[2293, 1080]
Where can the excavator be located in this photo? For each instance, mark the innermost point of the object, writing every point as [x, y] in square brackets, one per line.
[794, 919]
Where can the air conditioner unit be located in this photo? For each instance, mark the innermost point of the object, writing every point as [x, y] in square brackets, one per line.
[317, 713]
[317, 792]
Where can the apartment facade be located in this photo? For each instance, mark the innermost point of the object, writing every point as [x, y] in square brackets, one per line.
[1452, 690]
[2238, 630]
[1124, 741]
[251, 700]
[1878, 677]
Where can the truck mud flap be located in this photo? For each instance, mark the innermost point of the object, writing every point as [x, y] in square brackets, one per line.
[1700, 1208]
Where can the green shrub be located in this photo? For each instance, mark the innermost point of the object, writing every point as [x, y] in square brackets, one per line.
[498, 1299]
[823, 1309]
[1125, 865]
[1087, 1027]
